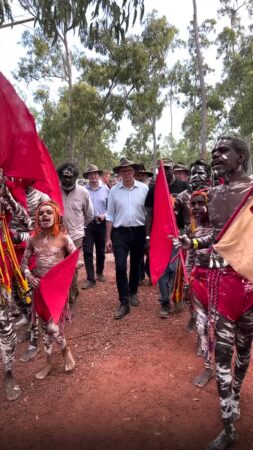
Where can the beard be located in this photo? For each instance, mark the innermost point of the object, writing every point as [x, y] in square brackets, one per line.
[68, 187]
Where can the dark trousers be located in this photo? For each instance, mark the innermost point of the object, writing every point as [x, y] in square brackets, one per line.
[128, 241]
[94, 235]
[166, 282]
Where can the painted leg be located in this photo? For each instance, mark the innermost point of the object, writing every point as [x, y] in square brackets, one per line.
[202, 330]
[48, 347]
[243, 342]
[225, 339]
[61, 341]
[12, 389]
[32, 351]
[8, 340]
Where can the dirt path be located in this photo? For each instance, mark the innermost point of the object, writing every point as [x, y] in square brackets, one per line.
[131, 389]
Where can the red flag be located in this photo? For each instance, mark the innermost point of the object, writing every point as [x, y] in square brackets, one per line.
[50, 185]
[54, 288]
[19, 155]
[22, 153]
[163, 225]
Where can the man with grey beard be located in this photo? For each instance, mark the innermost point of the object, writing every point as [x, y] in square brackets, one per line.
[78, 212]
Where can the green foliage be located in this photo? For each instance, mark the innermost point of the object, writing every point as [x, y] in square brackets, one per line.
[235, 48]
[146, 104]
[87, 17]
[42, 60]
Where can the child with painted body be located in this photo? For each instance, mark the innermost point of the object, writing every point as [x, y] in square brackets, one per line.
[50, 246]
[197, 264]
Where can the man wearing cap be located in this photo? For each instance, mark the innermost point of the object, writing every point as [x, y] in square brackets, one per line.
[95, 231]
[78, 211]
[167, 279]
[125, 232]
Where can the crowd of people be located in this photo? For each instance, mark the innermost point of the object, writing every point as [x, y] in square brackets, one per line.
[115, 214]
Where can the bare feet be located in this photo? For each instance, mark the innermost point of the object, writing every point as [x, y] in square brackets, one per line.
[202, 379]
[29, 354]
[223, 440]
[45, 371]
[69, 360]
[12, 389]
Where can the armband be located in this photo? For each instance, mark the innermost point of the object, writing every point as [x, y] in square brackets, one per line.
[195, 244]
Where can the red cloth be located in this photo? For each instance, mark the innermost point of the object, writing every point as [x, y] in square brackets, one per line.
[53, 291]
[23, 154]
[198, 284]
[19, 156]
[50, 185]
[235, 294]
[163, 225]
[18, 192]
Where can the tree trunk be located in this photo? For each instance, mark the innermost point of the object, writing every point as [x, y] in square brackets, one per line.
[203, 132]
[68, 69]
[154, 145]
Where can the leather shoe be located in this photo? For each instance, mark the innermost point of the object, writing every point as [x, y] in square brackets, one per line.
[164, 311]
[88, 284]
[100, 277]
[134, 300]
[122, 311]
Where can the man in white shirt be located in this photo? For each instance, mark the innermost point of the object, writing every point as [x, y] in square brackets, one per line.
[95, 231]
[78, 211]
[125, 232]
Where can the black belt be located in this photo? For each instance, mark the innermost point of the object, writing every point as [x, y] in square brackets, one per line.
[140, 227]
[97, 222]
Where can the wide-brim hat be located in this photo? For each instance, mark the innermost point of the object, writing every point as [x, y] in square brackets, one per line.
[124, 162]
[142, 169]
[92, 168]
[167, 162]
[179, 167]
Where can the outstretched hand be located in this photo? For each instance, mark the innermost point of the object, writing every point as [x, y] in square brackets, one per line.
[181, 242]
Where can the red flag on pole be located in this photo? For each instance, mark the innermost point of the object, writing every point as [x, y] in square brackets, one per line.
[54, 288]
[20, 156]
[163, 225]
[50, 184]
[22, 153]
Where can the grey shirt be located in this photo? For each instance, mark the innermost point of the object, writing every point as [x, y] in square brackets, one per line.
[78, 211]
[126, 206]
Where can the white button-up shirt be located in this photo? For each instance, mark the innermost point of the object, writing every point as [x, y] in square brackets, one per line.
[99, 197]
[126, 206]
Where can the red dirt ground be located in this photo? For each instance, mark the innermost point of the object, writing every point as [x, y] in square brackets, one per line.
[131, 389]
